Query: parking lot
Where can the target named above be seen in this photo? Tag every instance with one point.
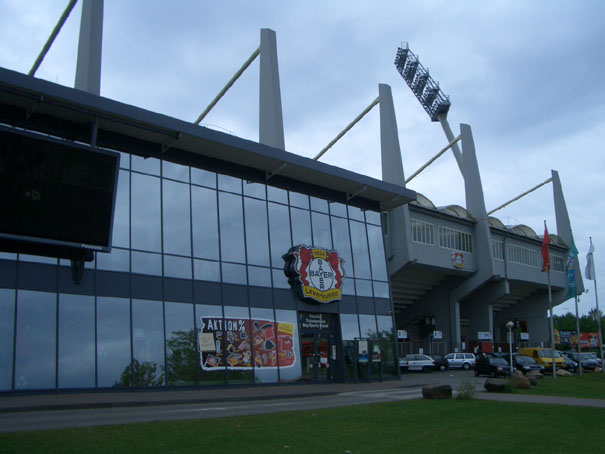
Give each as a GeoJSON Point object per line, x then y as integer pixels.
{"type": "Point", "coordinates": [452, 377]}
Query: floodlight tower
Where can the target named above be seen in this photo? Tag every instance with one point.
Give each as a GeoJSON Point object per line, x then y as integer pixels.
{"type": "Point", "coordinates": [427, 91]}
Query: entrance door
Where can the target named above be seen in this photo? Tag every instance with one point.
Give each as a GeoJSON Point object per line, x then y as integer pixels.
{"type": "Point", "coordinates": [316, 358]}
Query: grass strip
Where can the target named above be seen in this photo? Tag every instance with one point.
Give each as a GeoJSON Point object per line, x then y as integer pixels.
{"type": "Point", "coordinates": [450, 426]}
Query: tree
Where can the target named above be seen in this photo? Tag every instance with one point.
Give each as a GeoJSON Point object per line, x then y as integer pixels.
{"type": "Point", "coordinates": [144, 375]}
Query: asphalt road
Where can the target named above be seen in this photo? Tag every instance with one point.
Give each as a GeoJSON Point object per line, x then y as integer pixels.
{"type": "Point", "coordinates": [58, 419]}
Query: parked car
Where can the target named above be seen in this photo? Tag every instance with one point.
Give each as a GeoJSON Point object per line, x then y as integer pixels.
{"type": "Point", "coordinates": [570, 364]}
{"type": "Point", "coordinates": [492, 366]}
{"type": "Point", "coordinates": [596, 358]}
{"type": "Point", "coordinates": [422, 363]}
{"type": "Point", "coordinates": [460, 360]}
{"type": "Point", "coordinates": [543, 356]}
{"type": "Point", "coordinates": [440, 362]}
{"type": "Point", "coordinates": [588, 363]}
{"type": "Point", "coordinates": [525, 364]}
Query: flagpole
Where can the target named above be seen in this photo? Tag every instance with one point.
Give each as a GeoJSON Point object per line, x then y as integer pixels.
{"type": "Point", "coordinates": [579, 337]}
{"type": "Point", "coordinates": [552, 327]}
{"type": "Point", "coordinates": [596, 296]}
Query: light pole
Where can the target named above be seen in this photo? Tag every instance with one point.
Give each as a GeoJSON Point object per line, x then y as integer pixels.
{"type": "Point", "coordinates": [510, 325]}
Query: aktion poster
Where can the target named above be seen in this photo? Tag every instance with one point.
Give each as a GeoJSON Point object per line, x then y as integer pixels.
{"type": "Point", "coordinates": [238, 343]}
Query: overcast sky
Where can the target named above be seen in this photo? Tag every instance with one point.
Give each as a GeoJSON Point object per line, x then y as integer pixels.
{"type": "Point", "coordinates": [526, 75]}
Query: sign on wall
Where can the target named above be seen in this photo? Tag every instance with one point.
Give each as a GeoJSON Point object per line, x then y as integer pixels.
{"type": "Point", "coordinates": [484, 335]}
{"type": "Point", "coordinates": [315, 273]}
{"type": "Point", "coordinates": [238, 343]}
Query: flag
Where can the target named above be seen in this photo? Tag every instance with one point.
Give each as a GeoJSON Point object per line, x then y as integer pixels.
{"type": "Point", "coordinates": [590, 271]}
{"type": "Point", "coordinates": [570, 271]}
{"type": "Point", "coordinates": [545, 256]}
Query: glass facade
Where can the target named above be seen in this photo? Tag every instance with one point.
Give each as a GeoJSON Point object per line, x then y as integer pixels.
{"type": "Point", "coordinates": [188, 245]}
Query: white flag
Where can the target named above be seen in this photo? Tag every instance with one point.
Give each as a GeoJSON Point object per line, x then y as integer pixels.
{"type": "Point", "coordinates": [589, 272]}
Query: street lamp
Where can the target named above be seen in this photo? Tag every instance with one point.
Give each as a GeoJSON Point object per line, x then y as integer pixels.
{"type": "Point", "coordinates": [510, 325]}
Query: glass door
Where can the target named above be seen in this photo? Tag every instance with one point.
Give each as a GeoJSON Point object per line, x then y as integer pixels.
{"type": "Point", "coordinates": [316, 357]}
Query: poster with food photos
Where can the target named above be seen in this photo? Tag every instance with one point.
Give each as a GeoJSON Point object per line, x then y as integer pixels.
{"type": "Point", "coordinates": [241, 344]}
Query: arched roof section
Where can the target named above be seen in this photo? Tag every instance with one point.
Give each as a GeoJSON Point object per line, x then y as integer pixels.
{"type": "Point", "coordinates": [495, 222]}
{"type": "Point", "coordinates": [524, 230]}
{"type": "Point", "coordinates": [556, 239]}
{"type": "Point", "coordinates": [423, 201]}
{"type": "Point", "coordinates": [457, 210]}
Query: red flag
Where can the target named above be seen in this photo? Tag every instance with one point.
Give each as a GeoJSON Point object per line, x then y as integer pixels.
{"type": "Point", "coordinates": [545, 256]}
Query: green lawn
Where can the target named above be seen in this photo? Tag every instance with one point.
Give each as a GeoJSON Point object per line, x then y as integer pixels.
{"type": "Point", "coordinates": [413, 426]}
{"type": "Point", "coordinates": [590, 385]}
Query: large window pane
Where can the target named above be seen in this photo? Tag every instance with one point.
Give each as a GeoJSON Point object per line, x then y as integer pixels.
{"type": "Point", "coordinates": [7, 317]}
{"type": "Point", "coordinates": [349, 326]}
{"type": "Point", "coordinates": [203, 177]}
{"type": "Point", "coordinates": [232, 227]}
{"type": "Point", "coordinates": [360, 250]}
{"type": "Point", "coordinates": [279, 228]}
{"type": "Point", "coordinates": [342, 243]}
{"type": "Point", "coordinates": [146, 165]}
{"type": "Point", "coordinates": [356, 213]}
{"type": "Point", "coordinates": [322, 236]}
{"type": "Point", "coordinates": [205, 223]}
{"type": "Point", "coordinates": [367, 323]}
{"type": "Point", "coordinates": [230, 184]}
{"type": "Point", "coordinates": [320, 205]}
{"type": "Point", "coordinates": [116, 260]}
{"type": "Point", "coordinates": [179, 267]}
{"type": "Point", "coordinates": [177, 218]}
{"type": "Point", "coordinates": [234, 274]}
{"type": "Point", "coordinates": [288, 346]}
{"type": "Point", "coordinates": [205, 270]}
{"type": "Point", "coordinates": [264, 352]}
{"type": "Point", "coordinates": [257, 232]}
{"type": "Point", "coordinates": [301, 227]}
{"type": "Point", "coordinates": [121, 217]}
{"type": "Point", "coordinates": [299, 200]}
{"type": "Point", "coordinates": [277, 195]}
{"type": "Point", "coordinates": [214, 372]}
{"type": "Point", "coordinates": [148, 343]}
{"type": "Point", "coordinates": [378, 260]}
{"type": "Point", "coordinates": [258, 276]}
{"type": "Point", "coordinates": [180, 345]}
{"type": "Point", "coordinates": [240, 371]}
{"type": "Point", "coordinates": [113, 343]}
{"type": "Point", "coordinates": [338, 209]}
{"type": "Point", "coordinates": [146, 213]}
{"type": "Point", "coordinates": [175, 171]}
{"type": "Point", "coordinates": [76, 341]}
{"type": "Point", "coordinates": [147, 263]}
{"type": "Point", "coordinates": [36, 340]}
{"type": "Point", "coordinates": [254, 190]}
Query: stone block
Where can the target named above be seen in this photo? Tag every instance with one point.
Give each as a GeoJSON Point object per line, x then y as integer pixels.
{"type": "Point", "coordinates": [495, 385]}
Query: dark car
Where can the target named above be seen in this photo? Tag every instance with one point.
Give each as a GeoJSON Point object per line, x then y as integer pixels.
{"type": "Point", "coordinates": [526, 364]}
{"type": "Point", "coordinates": [440, 362]}
{"type": "Point", "coordinates": [492, 366]}
{"type": "Point", "coordinates": [588, 363]}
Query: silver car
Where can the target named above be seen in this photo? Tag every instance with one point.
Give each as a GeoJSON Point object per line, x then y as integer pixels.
{"type": "Point", "coordinates": [460, 360]}
{"type": "Point", "coordinates": [416, 362]}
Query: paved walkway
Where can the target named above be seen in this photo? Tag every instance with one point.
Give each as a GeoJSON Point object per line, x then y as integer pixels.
{"type": "Point", "coordinates": [105, 399]}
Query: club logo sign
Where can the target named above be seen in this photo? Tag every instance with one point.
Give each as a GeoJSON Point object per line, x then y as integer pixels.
{"type": "Point", "coordinates": [315, 273]}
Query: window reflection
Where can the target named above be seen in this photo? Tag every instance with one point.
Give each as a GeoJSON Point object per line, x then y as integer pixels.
{"type": "Point", "coordinates": [234, 274]}
{"type": "Point", "coordinates": [360, 250]}
{"type": "Point", "coordinates": [299, 200]}
{"type": "Point", "coordinates": [381, 289]}
{"type": "Point", "coordinates": [279, 278]}
{"type": "Point", "coordinates": [179, 267]}
{"type": "Point", "coordinates": [342, 243]}
{"type": "Point", "coordinates": [257, 232]}
{"type": "Point", "coordinates": [279, 228]}
{"type": "Point", "coordinates": [230, 184]}
{"type": "Point", "coordinates": [205, 223]}
{"type": "Point", "coordinates": [320, 205]}
{"type": "Point", "coordinates": [76, 341]}
{"type": "Point", "coordinates": [146, 234]}
{"type": "Point", "coordinates": [203, 177]}
{"type": "Point", "coordinates": [254, 190]}
{"type": "Point", "coordinates": [301, 227]}
{"type": "Point", "coordinates": [260, 277]}
{"type": "Point", "coordinates": [232, 227]}
{"type": "Point", "coordinates": [146, 263]}
{"type": "Point", "coordinates": [338, 209]}
{"type": "Point", "coordinates": [180, 345]}
{"type": "Point", "coordinates": [377, 257]}
{"type": "Point", "coordinates": [175, 171]}
{"type": "Point", "coordinates": [146, 165]}
{"type": "Point", "coordinates": [177, 218]}
{"type": "Point", "coordinates": [208, 377]}
{"type": "Point", "coordinates": [7, 317]}
{"type": "Point", "coordinates": [349, 326]}
{"type": "Point", "coordinates": [116, 260]}
{"type": "Point", "coordinates": [363, 287]}
{"type": "Point", "coordinates": [277, 195]}
{"type": "Point", "coordinates": [113, 342]}
{"type": "Point", "coordinates": [367, 324]}
{"type": "Point", "coordinates": [36, 340]}
{"type": "Point", "coordinates": [356, 213]}
{"type": "Point", "coordinates": [373, 217]}
{"type": "Point", "coordinates": [321, 230]}
{"type": "Point", "coordinates": [121, 217]}
{"type": "Point", "coordinates": [148, 345]}
{"type": "Point", "coordinates": [205, 270]}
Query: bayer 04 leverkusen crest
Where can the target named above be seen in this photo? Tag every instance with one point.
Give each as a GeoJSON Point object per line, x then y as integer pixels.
{"type": "Point", "coordinates": [315, 273]}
